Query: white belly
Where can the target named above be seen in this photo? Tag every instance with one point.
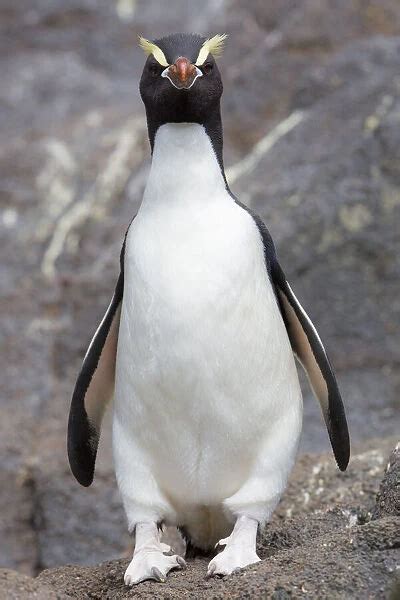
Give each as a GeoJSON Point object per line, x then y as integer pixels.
{"type": "Point", "coordinates": [204, 368]}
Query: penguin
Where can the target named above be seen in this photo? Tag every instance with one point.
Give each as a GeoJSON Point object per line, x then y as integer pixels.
{"type": "Point", "coordinates": [198, 343]}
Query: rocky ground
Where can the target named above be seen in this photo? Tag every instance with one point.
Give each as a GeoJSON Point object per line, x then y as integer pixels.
{"type": "Point", "coordinates": [312, 137]}
{"type": "Point", "coordinates": [331, 537]}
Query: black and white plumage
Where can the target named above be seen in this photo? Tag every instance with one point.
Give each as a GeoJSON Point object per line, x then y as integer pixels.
{"type": "Point", "coordinates": [198, 341]}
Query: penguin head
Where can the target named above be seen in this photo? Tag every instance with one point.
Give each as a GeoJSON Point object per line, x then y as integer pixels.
{"type": "Point", "coordinates": [180, 80]}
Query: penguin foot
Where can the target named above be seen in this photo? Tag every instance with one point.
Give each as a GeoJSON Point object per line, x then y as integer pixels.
{"type": "Point", "coordinates": [240, 549]}
{"type": "Point", "coordinates": [151, 564]}
{"type": "Point", "coordinates": [233, 558]}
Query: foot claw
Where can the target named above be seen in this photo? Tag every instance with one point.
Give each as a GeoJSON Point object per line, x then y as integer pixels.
{"type": "Point", "coordinates": [211, 571]}
{"type": "Point", "coordinates": [222, 542]}
{"type": "Point", "coordinates": [181, 562]}
{"type": "Point", "coordinates": [157, 575]}
{"type": "Point", "coordinates": [151, 564]}
{"type": "Point", "coordinates": [230, 560]}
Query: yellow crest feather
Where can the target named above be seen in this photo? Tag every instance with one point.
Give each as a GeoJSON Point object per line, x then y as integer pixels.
{"type": "Point", "coordinates": [214, 46]}
{"type": "Point", "coordinates": [151, 48]}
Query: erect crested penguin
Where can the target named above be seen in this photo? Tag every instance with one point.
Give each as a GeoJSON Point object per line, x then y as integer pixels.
{"type": "Point", "coordinates": [197, 343]}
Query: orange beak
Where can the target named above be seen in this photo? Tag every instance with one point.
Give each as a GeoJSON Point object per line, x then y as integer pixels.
{"type": "Point", "coordinates": [182, 74]}
{"type": "Point", "coordinates": [183, 68]}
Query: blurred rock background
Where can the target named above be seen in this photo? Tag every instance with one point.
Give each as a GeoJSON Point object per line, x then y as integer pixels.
{"type": "Point", "coordinates": [312, 142]}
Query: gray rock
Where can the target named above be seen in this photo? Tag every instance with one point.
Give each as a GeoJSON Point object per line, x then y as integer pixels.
{"type": "Point", "coordinates": [388, 498]}
{"type": "Point", "coordinates": [328, 548]}
{"type": "Point", "coordinates": [15, 586]}
{"type": "Point", "coordinates": [335, 565]}
{"type": "Point", "coordinates": [331, 205]}
{"type": "Point", "coordinates": [18, 548]}
{"type": "Point", "coordinates": [329, 190]}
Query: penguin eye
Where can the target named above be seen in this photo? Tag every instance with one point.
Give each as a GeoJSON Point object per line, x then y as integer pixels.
{"type": "Point", "coordinates": [154, 69]}
{"type": "Point", "coordinates": [207, 68]}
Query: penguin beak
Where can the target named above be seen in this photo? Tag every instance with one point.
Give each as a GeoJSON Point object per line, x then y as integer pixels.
{"type": "Point", "coordinates": [182, 74]}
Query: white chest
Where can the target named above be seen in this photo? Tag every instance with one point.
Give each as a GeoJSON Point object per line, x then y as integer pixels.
{"type": "Point", "coordinates": [196, 285]}
{"type": "Point", "coordinates": [190, 243]}
{"type": "Point", "coordinates": [201, 336]}
{"type": "Point", "coordinates": [190, 257]}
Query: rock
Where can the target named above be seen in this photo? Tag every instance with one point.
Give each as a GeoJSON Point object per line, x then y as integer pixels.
{"type": "Point", "coordinates": [342, 564]}
{"type": "Point", "coordinates": [388, 499]}
{"type": "Point", "coordinates": [15, 586]}
{"type": "Point", "coordinates": [322, 542]}
{"type": "Point", "coordinates": [79, 527]}
{"type": "Point", "coordinates": [18, 548]}
{"type": "Point", "coordinates": [330, 202]}
{"type": "Point", "coordinates": [328, 548]}
{"type": "Point", "coordinates": [328, 189]}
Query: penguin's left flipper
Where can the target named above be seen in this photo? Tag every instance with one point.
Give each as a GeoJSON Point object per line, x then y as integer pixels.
{"type": "Point", "coordinates": [94, 389]}
{"type": "Point", "coordinates": [310, 352]}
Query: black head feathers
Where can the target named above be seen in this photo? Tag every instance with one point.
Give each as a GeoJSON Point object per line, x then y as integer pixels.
{"type": "Point", "coordinates": [181, 82]}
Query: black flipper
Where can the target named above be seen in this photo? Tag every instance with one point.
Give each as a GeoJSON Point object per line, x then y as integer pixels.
{"type": "Point", "coordinates": [94, 389]}
{"type": "Point", "coordinates": [309, 350]}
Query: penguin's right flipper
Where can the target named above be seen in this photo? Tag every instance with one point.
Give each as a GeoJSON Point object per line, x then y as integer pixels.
{"type": "Point", "coordinates": [94, 389]}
